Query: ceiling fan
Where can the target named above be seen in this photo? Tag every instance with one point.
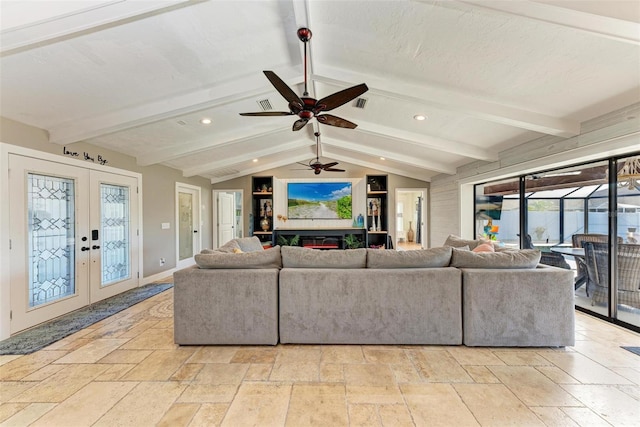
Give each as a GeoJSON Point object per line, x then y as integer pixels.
{"type": "Point", "coordinates": [318, 167]}
{"type": "Point", "coordinates": [306, 107]}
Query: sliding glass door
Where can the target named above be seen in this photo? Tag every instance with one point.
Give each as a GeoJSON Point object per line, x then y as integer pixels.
{"type": "Point", "coordinates": [585, 218]}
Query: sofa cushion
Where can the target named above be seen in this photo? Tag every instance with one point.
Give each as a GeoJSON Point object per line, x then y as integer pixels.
{"type": "Point", "coordinates": [525, 258]}
{"type": "Point", "coordinates": [249, 244]}
{"type": "Point", "coordinates": [297, 257]}
{"type": "Point", "coordinates": [269, 258]}
{"type": "Point", "coordinates": [423, 258]}
{"type": "Point", "coordinates": [457, 242]}
{"type": "Point", "coordinates": [484, 247]}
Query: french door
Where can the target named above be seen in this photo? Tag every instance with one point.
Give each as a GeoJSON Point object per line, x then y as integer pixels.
{"type": "Point", "coordinates": [73, 238]}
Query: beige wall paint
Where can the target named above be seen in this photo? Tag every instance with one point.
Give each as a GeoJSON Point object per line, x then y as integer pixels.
{"type": "Point", "coordinates": [291, 172]}
{"type": "Point", "coordinates": [158, 191]}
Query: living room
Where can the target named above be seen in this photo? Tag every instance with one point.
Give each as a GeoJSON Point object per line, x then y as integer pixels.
{"type": "Point", "coordinates": [549, 115]}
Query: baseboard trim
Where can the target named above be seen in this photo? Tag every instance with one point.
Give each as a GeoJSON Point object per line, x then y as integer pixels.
{"type": "Point", "coordinates": [156, 277]}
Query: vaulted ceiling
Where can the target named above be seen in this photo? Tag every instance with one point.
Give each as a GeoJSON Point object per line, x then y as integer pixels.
{"type": "Point", "coordinates": [138, 76]}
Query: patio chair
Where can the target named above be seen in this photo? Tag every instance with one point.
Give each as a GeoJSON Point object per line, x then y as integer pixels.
{"type": "Point", "coordinates": [628, 272]}
{"type": "Point", "coordinates": [577, 241]}
{"type": "Point", "coordinates": [547, 258]}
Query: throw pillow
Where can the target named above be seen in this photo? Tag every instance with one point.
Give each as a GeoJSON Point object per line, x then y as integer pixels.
{"type": "Point", "coordinates": [269, 258]}
{"type": "Point", "coordinates": [229, 247]}
{"type": "Point", "coordinates": [297, 257]}
{"type": "Point", "coordinates": [484, 247]}
{"type": "Point", "coordinates": [249, 244]}
{"type": "Point", "coordinates": [525, 258]}
{"type": "Point", "coordinates": [423, 258]}
{"type": "Point", "coordinates": [456, 242]}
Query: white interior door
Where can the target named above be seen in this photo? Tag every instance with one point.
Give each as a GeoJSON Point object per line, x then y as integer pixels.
{"type": "Point", "coordinates": [49, 240]}
{"type": "Point", "coordinates": [188, 220]}
{"type": "Point", "coordinates": [226, 217]}
{"type": "Point", "coordinates": [74, 238]}
{"type": "Point", "coordinates": [114, 234]}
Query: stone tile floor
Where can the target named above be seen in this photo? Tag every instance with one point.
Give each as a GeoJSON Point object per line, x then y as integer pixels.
{"type": "Point", "coordinates": [126, 371]}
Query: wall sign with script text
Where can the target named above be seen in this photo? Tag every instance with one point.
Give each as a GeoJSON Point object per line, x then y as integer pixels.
{"type": "Point", "coordinates": [86, 156]}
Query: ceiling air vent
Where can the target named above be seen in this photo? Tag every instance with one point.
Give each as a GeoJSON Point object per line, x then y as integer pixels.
{"type": "Point", "coordinates": [360, 102]}
{"type": "Point", "coordinates": [265, 104]}
{"type": "Point", "coordinates": [224, 172]}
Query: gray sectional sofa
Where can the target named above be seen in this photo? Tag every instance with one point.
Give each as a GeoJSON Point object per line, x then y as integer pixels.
{"type": "Point", "coordinates": [439, 296]}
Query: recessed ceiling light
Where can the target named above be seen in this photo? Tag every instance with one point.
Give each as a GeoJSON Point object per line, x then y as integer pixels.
{"type": "Point", "coordinates": [382, 158]}
{"type": "Point", "coordinates": [205, 121]}
{"type": "Point", "coordinates": [420, 117]}
{"type": "Point", "coordinates": [255, 160]}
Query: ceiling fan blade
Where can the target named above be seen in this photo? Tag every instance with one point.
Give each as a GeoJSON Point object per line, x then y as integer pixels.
{"type": "Point", "coordinates": [268, 113]}
{"type": "Point", "coordinates": [299, 124]}
{"type": "Point", "coordinates": [282, 87]}
{"type": "Point", "coordinates": [329, 165]}
{"type": "Point", "coordinates": [304, 164]}
{"type": "Point", "coordinates": [335, 170]}
{"type": "Point", "coordinates": [339, 98]}
{"type": "Point", "coordinates": [331, 120]}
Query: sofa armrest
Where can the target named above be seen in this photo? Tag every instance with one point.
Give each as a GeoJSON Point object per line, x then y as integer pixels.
{"type": "Point", "coordinates": [519, 307]}
{"type": "Point", "coordinates": [226, 306]}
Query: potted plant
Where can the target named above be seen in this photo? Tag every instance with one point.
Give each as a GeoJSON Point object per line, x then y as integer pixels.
{"type": "Point", "coordinates": [351, 241]}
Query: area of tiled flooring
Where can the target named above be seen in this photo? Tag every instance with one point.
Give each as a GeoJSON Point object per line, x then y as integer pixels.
{"type": "Point", "coordinates": [126, 370]}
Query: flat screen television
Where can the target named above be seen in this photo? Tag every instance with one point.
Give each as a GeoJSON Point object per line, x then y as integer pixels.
{"type": "Point", "coordinates": [488, 207]}
{"type": "Point", "coordinates": [319, 200]}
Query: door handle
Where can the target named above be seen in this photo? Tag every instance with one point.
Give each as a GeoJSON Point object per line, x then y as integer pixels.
{"type": "Point", "coordinates": [95, 247]}
{"type": "Point", "coordinates": [195, 231]}
{"type": "Point", "coordinates": [85, 248]}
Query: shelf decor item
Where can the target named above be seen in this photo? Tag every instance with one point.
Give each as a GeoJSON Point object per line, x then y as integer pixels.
{"type": "Point", "coordinates": [265, 224]}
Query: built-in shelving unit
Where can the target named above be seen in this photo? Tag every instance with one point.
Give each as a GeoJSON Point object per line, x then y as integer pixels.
{"type": "Point", "coordinates": [377, 211]}
{"type": "Point", "coordinates": [262, 207]}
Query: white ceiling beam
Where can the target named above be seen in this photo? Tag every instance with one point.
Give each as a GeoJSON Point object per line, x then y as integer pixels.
{"type": "Point", "coordinates": [293, 158]}
{"type": "Point", "coordinates": [427, 142]}
{"type": "Point", "coordinates": [95, 16]}
{"type": "Point", "coordinates": [447, 99]}
{"type": "Point", "coordinates": [390, 155]}
{"type": "Point", "coordinates": [376, 166]}
{"type": "Point", "coordinates": [187, 103]}
{"type": "Point", "coordinates": [230, 162]}
{"type": "Point", "coordinates": [186, 148]}
{"type": "Point", "coordinates": [602, 26]}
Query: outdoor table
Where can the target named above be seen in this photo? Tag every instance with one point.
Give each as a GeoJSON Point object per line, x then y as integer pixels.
{"type": "Point", "coordinates": [576, 253]}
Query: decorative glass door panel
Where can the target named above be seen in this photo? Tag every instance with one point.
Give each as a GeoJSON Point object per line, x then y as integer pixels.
{"type": "Point", "coordinates": [115, 225]}
{"type": "Point", "coordinates": [185, 213]}
{"type": "Point", "coordinates": [51, 237]}
{"type": "Point", "coordinates": [188, 223]}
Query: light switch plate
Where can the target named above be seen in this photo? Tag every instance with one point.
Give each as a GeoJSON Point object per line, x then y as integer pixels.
{"type": "Point", "coordinates": [166, 226]}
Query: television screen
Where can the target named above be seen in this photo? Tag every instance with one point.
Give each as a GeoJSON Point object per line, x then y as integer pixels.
{"type": "Point", "coordinates": [488, 207]}
{"type": "Point", "coordinates": [319, 200]}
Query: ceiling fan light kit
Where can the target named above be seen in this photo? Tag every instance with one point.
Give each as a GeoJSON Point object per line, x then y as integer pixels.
{"type": "Point", "coordinates": [305, 107]}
